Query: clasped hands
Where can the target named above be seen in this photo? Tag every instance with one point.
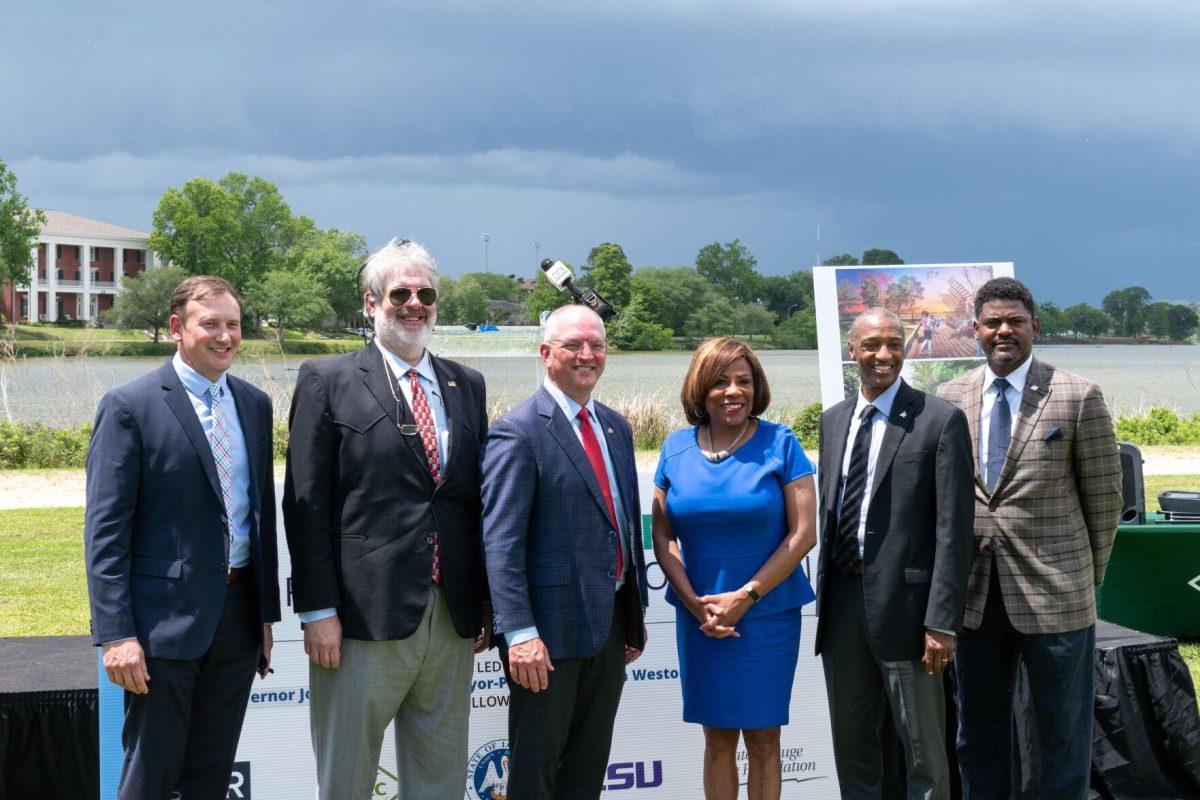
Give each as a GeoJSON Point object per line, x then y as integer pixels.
{"type": "Point", "coordinates": [719, 613]}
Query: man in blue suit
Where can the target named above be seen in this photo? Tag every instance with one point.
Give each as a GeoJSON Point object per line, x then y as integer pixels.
{"type": "Point", "coordinates": [180, 549]}
{"type": "Point", "coordinates": [562, 547]}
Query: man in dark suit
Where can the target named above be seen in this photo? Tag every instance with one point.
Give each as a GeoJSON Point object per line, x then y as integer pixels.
{"type": "Point", "coordinates": [381, 506]}
{"type": "Point", "coordinates": [895, 510]}
{"type": "Point", "coordinates": [1047, 499]}
{"type": "Point", "coordinates": [180, 548]}
{"type": "Point", "coordinates": [562, 543]}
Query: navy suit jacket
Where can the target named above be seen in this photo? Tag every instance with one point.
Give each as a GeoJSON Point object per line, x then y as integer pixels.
{"type": "Point", "coordinates": [549, 544]}
{"type": "Point", "coordinates": [154, 529]}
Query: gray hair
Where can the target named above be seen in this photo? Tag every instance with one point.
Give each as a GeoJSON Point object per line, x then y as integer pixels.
{"type": "Point", "coordinates": [550, 326]}
{"type": "Point", "coordinates": [393, 256]}
{"type": "Point", "coordinates": [878, 312]}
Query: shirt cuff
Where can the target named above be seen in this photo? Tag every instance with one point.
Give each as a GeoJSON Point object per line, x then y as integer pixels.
{"type": "Point", "coordinates": [939, 630]}
{"type": "Point", "coordinates": [315, 616]}
{"type": "Point", "coordinates": [522, 635]}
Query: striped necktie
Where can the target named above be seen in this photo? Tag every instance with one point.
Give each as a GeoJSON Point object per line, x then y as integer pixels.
{"type": "Point", "coordinates": [223, 459]}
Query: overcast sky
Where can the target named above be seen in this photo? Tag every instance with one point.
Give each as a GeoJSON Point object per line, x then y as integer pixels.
{"type": "Point", "coordinates": [1062, 136]}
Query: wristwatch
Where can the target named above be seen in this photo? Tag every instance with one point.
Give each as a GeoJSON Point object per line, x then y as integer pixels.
{"type": "Point", "coordinates": [755, 596]}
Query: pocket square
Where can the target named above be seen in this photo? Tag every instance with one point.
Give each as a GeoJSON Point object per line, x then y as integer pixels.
{"type": "Point", "coordinates": [1055, 433]}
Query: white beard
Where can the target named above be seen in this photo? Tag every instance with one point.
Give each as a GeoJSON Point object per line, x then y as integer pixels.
{"type": "Point", "coordinates": [395, 338]}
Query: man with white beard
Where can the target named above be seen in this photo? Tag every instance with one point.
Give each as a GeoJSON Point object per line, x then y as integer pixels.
{"type": "Point", "coordinates": [382, 511]}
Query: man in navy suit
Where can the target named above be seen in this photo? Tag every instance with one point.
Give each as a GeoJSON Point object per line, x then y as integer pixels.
{"type": "Point", "coordinates": [562, 547]}
{"type": "Point", "coordinates": [180, 549]}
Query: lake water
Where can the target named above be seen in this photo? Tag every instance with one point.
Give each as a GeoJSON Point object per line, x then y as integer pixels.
{"type": "Point", "coordinates": [62, 391]}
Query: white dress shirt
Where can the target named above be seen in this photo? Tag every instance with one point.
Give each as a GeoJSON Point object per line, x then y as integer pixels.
{"type": "Point", "coordinates": [1016, 380]}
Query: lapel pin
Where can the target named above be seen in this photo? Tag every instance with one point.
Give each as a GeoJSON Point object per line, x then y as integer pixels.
{"type": "Point", "coordinates": [608, 430]}
{"type": "Point", "coordinates": [1034, 388]}
{"type": "Point", "coordinates": [903, 414]}
{"type": "Point", "coordinates": [452, 384]}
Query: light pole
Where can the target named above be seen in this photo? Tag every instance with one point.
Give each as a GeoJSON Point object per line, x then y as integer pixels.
{"type": "Point", "coordinates": [537, 252]}
{"type": "Point", "coordinates": [486, 238]}
{"type": "Point", "coordinates": [792, 308]}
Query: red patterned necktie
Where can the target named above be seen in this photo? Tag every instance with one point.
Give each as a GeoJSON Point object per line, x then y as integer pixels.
{"type": "Point", "coordinates": [424, 419]}
{"type": "Point", "coordinates": [591, 446]}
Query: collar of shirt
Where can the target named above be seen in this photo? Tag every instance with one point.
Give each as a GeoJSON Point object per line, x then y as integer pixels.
{"type": "Point", "coordinates": [194, 382]}
{"type": "Point", "coordinates": [400, 367]}
{"type": "Point", "coordinates": [568, 406]}
{"type": "Point", "coordinates": [1016, 378]}
{"type": "Point", "coordinates": [883, 403]}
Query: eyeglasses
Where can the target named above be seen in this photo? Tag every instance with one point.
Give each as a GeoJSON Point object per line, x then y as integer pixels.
{"type": "Point", "coordinates": [575, 346]}
{"type": "Point", "coordinates": [402, 294]}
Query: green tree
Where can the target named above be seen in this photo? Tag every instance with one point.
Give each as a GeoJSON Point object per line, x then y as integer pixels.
{"type": "Point", "coordinates": [877, 257]}
{"type": "Point", "coordinates": [461, 301]}
{"type": "Point", "coordinates": [1052, 320]}
{"type": "Point", "coordinates": [840, 260]}
{"type": "Point", "coordinates": [730, 267]}
{"type": "Point", "coordinates": [787, 294]}
{"type": "Point", "coordinates": [333, 258]}
{"type": "Point", "coordinates": [496, 286]}
{"type": "Point", "coordinates": [715, 316]}
{"type": "Point", "coordinates": [288, 300]}
{"type": "Point", "coordinates": [608, 272]}
{"type": "Point", "coordinates": [1087, 321]}
{"type": "Point", "coordinates": [545, 297]}
{"type": "Point", "coordinates": [904, 293]}
{"type": "Point", "coordinates": [1183, 322]}
{"type": "Point", "coordinates": [19, 229]}
{"type": "Point", "coordinates": [239, 228]}
{"type": "Point", "coordinates": [633, 330]}
{"type": "Point", "coordinates": [1127, 308]}
{"type": "Point", "coordinates": [799, 332]}
{"type": "Point", "coordinates": [870, 292]}
{"type": "Point", "coordinates": [145, 301]}
{"type": "Point", "coordinates": [670, 294]}
{"type": "Point", "coordinates": [1170, 320]}
{"type": "Point", "coordinates": [754, 318]}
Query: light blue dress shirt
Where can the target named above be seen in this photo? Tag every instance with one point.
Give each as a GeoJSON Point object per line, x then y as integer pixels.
{"type": "Point", "coordinates": [883, 411]}
{"type": "Point", "coordinates": [433, 394]}
{"type": "Point", "coordinates": [571, 409]}
{"type": "Point", "coordinates": [239, 492]}
{"type": "Point", "coordinates": [1016, 388]}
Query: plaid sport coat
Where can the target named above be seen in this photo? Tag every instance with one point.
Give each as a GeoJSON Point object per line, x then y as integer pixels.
{"type": "Point", "coordinates": [1052, 518]}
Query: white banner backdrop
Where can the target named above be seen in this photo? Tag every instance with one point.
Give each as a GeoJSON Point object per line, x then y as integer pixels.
{"type": "Point", "coordinates": [654, 753]}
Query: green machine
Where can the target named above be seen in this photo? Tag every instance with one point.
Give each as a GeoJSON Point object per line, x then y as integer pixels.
{"type": "Point", "coordinates": [1153, 578]}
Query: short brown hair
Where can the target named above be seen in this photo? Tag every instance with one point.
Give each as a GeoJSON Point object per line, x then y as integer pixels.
{"type": "Point", "coordinates": [199, 287]}
{"type": "Point", "coordinates": [711, 359]}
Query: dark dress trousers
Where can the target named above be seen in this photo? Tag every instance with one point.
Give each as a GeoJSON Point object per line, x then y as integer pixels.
{"type": "Point", "coordinates": [361, 509]}
{"type": "Point", "coordinates": [915, 559]}
{"type": "Point", "coordinates": [156, 564]}
{"type": "Point", "coordinates": [550, 548]}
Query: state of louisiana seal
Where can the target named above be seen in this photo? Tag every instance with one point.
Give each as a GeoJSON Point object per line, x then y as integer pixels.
{"type": "Point", "coordinates": [487, 772]}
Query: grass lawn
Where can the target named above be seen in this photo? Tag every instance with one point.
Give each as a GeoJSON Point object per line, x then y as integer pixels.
{"type": "Point", "coordinates": [43, 591]}
{"type": "Point", "coordinates": [54, 333]}
{"type": "Point", "coordinates": [42, 587]}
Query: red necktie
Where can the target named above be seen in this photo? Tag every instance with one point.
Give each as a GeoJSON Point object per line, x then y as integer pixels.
{"type": "Point", "coordinates": [424, 419]}
{"type": "Point", "coordinates": [591, 446]}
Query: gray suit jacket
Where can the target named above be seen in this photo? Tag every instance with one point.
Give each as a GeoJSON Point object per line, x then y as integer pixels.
{"type": "Point", "coordinates": [919, 522]}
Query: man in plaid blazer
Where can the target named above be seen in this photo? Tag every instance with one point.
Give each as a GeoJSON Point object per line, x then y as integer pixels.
{"type": "Point", "coordinates": [1047, 499]}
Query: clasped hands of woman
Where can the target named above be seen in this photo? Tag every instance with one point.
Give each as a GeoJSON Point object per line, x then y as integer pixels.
{"type": "Point", "coordinates": [719, 614]}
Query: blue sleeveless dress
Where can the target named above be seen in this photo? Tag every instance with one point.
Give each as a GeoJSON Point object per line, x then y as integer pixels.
{"type": "Point", "coordinates": [728, 518]}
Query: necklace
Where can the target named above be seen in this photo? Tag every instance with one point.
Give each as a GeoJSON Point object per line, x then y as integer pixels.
{"type": "Point", "coordinates": [721, 455]}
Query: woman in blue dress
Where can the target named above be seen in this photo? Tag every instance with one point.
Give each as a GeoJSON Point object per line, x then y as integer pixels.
{"type": "Point", "coordinates": [733, 515]}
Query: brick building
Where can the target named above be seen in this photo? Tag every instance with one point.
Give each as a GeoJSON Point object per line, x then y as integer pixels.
{"type": "Point", "coordinates": [80, 266]}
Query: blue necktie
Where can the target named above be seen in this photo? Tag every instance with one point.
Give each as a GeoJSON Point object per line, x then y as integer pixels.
{"type": "Point", "coordinates": [223, 459]}
{"type": "Point", "coordinates": [999, 433]}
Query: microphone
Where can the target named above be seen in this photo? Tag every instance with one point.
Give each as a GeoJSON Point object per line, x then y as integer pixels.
{"type": "Point", "coordinates": [559, 274]}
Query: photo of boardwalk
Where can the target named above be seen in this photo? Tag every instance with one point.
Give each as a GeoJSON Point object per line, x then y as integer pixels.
{"type": "Point", "coordinates": [934, 303]}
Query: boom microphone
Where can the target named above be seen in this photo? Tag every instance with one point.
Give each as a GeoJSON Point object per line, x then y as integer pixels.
{"type": "Point", "coordinates": [559, 274]}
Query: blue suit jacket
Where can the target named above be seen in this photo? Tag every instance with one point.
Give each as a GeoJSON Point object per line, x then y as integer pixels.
{"type": "Point", "coordinates": [549, 545]}
{"type": "Point", "coordinates": [154, 529]}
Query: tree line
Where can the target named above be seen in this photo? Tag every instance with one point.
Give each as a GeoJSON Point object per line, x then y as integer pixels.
{"type": "Point", "coordinates": [293, 274]}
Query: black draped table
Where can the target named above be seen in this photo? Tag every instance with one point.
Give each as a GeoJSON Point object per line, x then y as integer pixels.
{"type": "Point", "coordinates": [1145, 746]}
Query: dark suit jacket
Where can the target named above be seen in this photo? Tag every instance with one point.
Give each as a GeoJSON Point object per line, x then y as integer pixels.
{"type": "Point", "coordinates": [549, 544]}
{"type": "Point", "coordinates": [919, 522]}
{"type": "Point", "coordinates": [360, 507]}
{"type": "Point", "coordinates": [154, 529]}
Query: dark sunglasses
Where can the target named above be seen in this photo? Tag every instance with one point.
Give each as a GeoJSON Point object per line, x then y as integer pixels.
{"type": "Point", "coordinates": [402, 294]}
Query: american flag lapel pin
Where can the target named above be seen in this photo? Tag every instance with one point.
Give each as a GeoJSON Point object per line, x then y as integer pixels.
{"type": "Point", "coordinates": [452, 384]}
